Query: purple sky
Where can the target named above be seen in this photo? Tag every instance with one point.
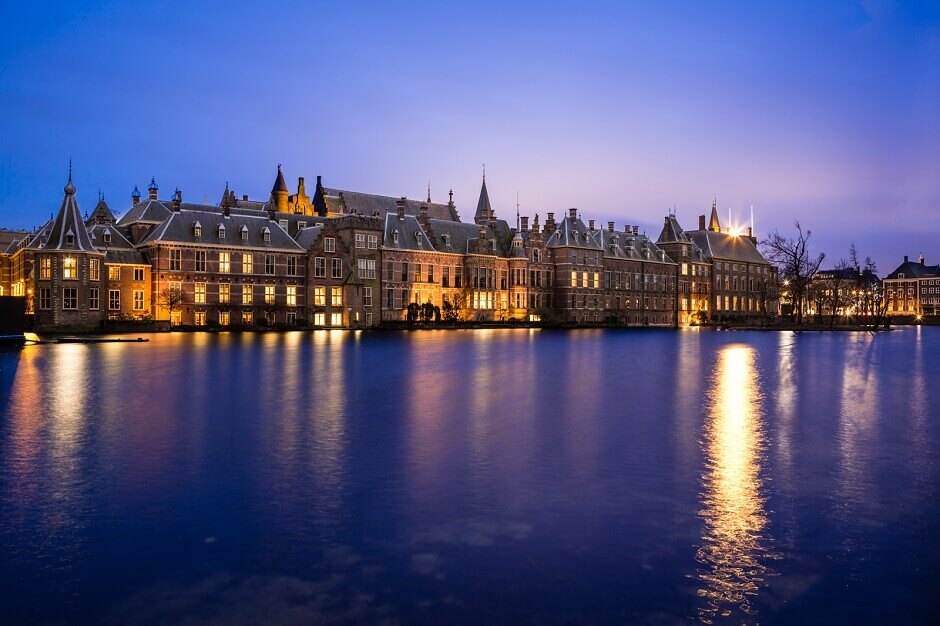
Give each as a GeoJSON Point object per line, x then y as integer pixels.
{"type": "Point", "coordinates": [822, 111]}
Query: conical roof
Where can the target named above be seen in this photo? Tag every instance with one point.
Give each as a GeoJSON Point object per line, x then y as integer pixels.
{"type": "Point", "coordinates": [279, 183]}
{"type": "Point", "coordinates": [484, 210]}
{"type": "Point", "coordinates": [68, 230]}
{"type": "Point", "coordinates": [713, 223]}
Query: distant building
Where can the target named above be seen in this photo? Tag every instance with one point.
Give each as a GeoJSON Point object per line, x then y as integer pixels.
{"type": "Point", "coordinates": [846, 291]}
{"type": "Point", "coordinates": [913, 289]}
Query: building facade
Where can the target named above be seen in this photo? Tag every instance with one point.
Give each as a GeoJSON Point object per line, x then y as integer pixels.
{"type": "Point", "coordinates": [346, 259]}
{"type": "Point", "coordinates": [913, 289]}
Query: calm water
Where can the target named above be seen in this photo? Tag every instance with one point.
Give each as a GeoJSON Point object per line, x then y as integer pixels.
{"type": "Point", "coordinates": [499, 477]}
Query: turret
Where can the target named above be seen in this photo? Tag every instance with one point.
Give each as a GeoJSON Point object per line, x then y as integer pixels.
{"type": "Point", "coordinates": [279, 193]}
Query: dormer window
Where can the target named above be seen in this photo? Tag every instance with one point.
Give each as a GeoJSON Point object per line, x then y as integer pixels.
{"type": "Point", "coordinates": [244, 233]}
{"type": "Point", "coordinates": [266, 234]}
{"type": "Point", "coordinates": [283, 224]}
{"type": "Point", "coordinates": [419, 239]}
{"type": "Point", "coordinates": [106, 236]}
{"type": "Point", "coordinates": [395, 236]}
{"type": "Point", "coordinates": [70, 239]}
{"type": "Point", "coordinates": [221, 231]}
{"type": "Point", "coordinates": [197, 229]}
{"type": "Point", "coordinates": [517, 243]}
{"type": "Point", "coordinates": [301, 225]}
{"type": "Point", "coordinates": [446, 239]}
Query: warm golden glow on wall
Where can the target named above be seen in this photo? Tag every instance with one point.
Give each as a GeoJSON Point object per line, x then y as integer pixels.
{"type": "Point", "coordinates": [733, 549]}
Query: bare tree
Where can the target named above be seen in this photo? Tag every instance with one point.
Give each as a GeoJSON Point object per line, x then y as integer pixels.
{"type": "Point", "coordinates": [768, 290]}
{"type": "Point", "coordinates": [172, 300]}
{"type": "Point", "coordinates": [796, 264]}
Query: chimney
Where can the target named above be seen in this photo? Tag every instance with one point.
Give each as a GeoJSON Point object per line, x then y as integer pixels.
{"type": "Point", "coordinates": [525, 223]}
{"type": "Point", "coordinates": [626, 228]}
{"type": "Point", "coordinates": [272, 212]}
{"type": "Point", "coordinates": [535, 223]}
{"type": "Point", "coordinates": [921, 259]}
{"type": "Point", "coordinates": [135, 196]}
{"type": "Point", "coordinates": [152, 189]}
{"type": "Point", "coordinates": [423, 217]}
{"type": "Point", "coordinates": [245, 197]}
{"type": "Point", "coordinates": [573, 214]}
{"type": "Point", "coordinates": [177, 199]}
{"type": "Point", "coordinates": [636, 229]}
{"type": "Point", "coordinates": [550, 224]}
{"type": "Point", "coordinates": [701, 222]}
{"type": "Point", "coordinates": [400, 207]}
{"type": "Point", "coordinates": [610, 226]}
{"type": "Point", "coordinates": [590, 224]}
{"type": "Point", "coordinates": [905, 258]}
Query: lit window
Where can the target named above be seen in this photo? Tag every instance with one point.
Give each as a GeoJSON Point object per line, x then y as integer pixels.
{"type": "Point", "coordinates": [319, 296]}
{"type": "Point", "coordinates": [319, 319]}
{"type": "Point", "coordinates": [197, 229]}
{"type": "Point", "coordinates": [199, 296]}
{"type": "Point", "coordinates": [200, 318]}
{"type": "Point", "coordinates": [248, 263]}
{"type": "Point", "coordinates": [291, 295]}
{"type": "Point", "coordinates": [94, 269]}
{"type": "Point", "coordinates": [269, 294]}
{"type": "Point", "coordinates": [247, 318]}
{"type": "Point", "coordinates": [336, 319]}
{"type": "Point", "coordinates": [138, 300]}
{"type": "Point", "coordinates": [246, 294]}
{"type": "Point", "coordinates": [224, 318]}
{"type": "Point", "coordinates": [224, 262]}
{"type": "Point", "coordinates": [45, 268]}
{"type": "Point", "coordinates": [336, 296]}
{"type": "Point", "coordinates": [69, 267]}
{"type": "Point", "coordinates": [224, 293]}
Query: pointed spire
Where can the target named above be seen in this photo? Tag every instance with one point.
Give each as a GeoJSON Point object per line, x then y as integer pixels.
{"type": "Point", "coordinates": [279, 183]}
{"type": "Point", "coordinates": [484, 210]}
{"type": "Point", "coordinates": [713, 223]}
{"type": "Point", "coordinates": [517, 210]}
{"type": "Point", "coordinates": [429, 192]}
{"type": "Point", "coordinates": [69, 187]}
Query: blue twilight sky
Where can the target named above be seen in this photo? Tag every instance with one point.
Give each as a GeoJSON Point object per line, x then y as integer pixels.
{"type": "Point", "coordinates": [822, 111]}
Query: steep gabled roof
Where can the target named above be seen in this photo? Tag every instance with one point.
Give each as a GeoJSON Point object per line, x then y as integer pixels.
{"type": "Point", "coordinates": [345, 201]}
{"type": "Point", "coordinates": [410, 234]}
{"type": "Point", "coordinates": [575, 233]}
{"type": "Point", "coordinates": [68, 230]}
{"type": "Point", "coordinates": [101, 215]}
{"type": "Point", "coordinates": [484, 209]}
{"type": "Point", "coordinates": [911, 269]}
{"type": "Point", "coordinates": [118, 249]}
{"type": "Point", "coordinates": [147, 212]}
{"type": "Point", "coordinates": [725, 246]}
{"type": "Point", "coordinates": [180, 227]}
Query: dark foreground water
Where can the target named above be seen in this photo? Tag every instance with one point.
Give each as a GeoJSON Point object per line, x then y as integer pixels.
{"type": "Point", "coordinates": [498, 477]}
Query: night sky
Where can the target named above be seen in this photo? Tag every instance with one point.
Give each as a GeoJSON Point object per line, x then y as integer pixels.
{"type": "Point", "coordinates": [822, 111]}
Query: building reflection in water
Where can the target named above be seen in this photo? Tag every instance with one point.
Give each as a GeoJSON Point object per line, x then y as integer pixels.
{"type": "Point", "coordinates": [734, 549]}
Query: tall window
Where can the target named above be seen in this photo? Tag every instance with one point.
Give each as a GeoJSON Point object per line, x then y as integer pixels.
{"type": "Point", "coordinates": [445, 276]}
{"type": "Point", "coordinates": [319, 296]}
{"type": "Point", "coordinates": [45, 298]}
{"type": "Point", "coordinates": [224, 293]}
{"type": "Point", "coordinates": [93, 302]}
{"type": "Point", "coordinates": [114, 272]}
{"type": "Point", "coordinates": [417, 277]}
{"type": "Point", "coordinates": [329, 244]}
{"type": "Point", "coordinates": [114, 299]}
{"type": "Point", "coordinates": [69, 267]}
{"type": "Point", "coordinates": [291, 266]}
{"type": "Point", "coordinates": [225, 262]}
{"type": "Point", "coordinates": [138, 300]}
{"type": "Point", "coordinates": [360, 240]}
{"type": "Point", "coordinates": [336, 319]}
{"type": "Point", "coordinates": [176, 260]}
{"type": "Point", "coordinates": [373, 242]}
{"type": "Point", "coordinates": [336, 296]}
{"type": "Point", "coordinates": [138, 274]}
{"type": "Point", "coordinates": [200, 260]}
{"type": "Point", "coordinates": [70, 298]}
{"type": "Point", "coordinates": [45, 268]}
{"type": "Point", "coordinates": [337, 267]}
{"type": "Point", "coordinates": [404, 271]}
{"type": "Point", "coordinates": [430, 273]}
{"type": "Point", "coordinates": [246, 294]}
{"type": "Point", "coordinates": [319, 267]}
{"type": "Point", "coordinates": [367, 296]}
{"type": "Point", "coordinates": [199, 296]}
{"type": "Point", "coordinates": [269, 294]}
{"type": "Point", "coordinates": [94, 269]}
{"type": "Point", "coordinates": [269, 264]}
{"type": "Point", "coordinates": [291, 295]}
{"type": "Point", "coordinates": [248, 263]}
{"type": "Point", "coordinates": [366, 268]}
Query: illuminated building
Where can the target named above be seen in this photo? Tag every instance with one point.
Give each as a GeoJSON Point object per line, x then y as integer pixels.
{"type": "Point", "coordinates": [913, 289]}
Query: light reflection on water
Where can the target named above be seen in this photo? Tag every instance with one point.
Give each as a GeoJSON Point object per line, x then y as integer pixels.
{"type": "Point", "coordinates": [734, 551]}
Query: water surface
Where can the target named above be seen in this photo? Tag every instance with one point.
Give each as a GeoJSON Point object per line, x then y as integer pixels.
{"type": "Point", "coordinates": [465, 477]}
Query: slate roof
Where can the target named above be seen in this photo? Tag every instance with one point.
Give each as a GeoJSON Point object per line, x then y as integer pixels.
{"type": "Point", "coordinates": [410, 234]}
{"type": "Point", "coordinates": [457, 237]}
{"type": "Point", "coordinates": [344, 201]}
{"type": "Point", "coordinates": [911, 269]}
{"type": "Point", "coordinates": [672, 233]}
{"type": "Point", "coordinates": [725, 246]}
{"type": "Point", "coordinates": [101, 214]}
{"type": "Point", "coordinates": [179, 227]}
{"type": "Point", "coordinates": [119, 249]}
{"type": "Point", "coordinates": [40, 237]}
{"type": "Point", "coordinates": [846, 273]}
{"type": "Point", "coordinates": [279, 183]}
{"type": "Point", "coordinates": [308, 236]}
{"type": "Point", "coordinates": [573, 232]}
{"type": "Point", "coordinates": [146, 211]}
{"type": "Point", "coordinates": [69, 224]}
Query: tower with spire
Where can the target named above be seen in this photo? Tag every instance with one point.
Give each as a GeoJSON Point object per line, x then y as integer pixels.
{"type": "Point", "coordinates": [68, 272]}
{"type": "Point", "coordinates": [484, 211]}
{"type": "Point", "coordinates": [713, 224]}
{"type": "Point", "coordinates": [279, 193]}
